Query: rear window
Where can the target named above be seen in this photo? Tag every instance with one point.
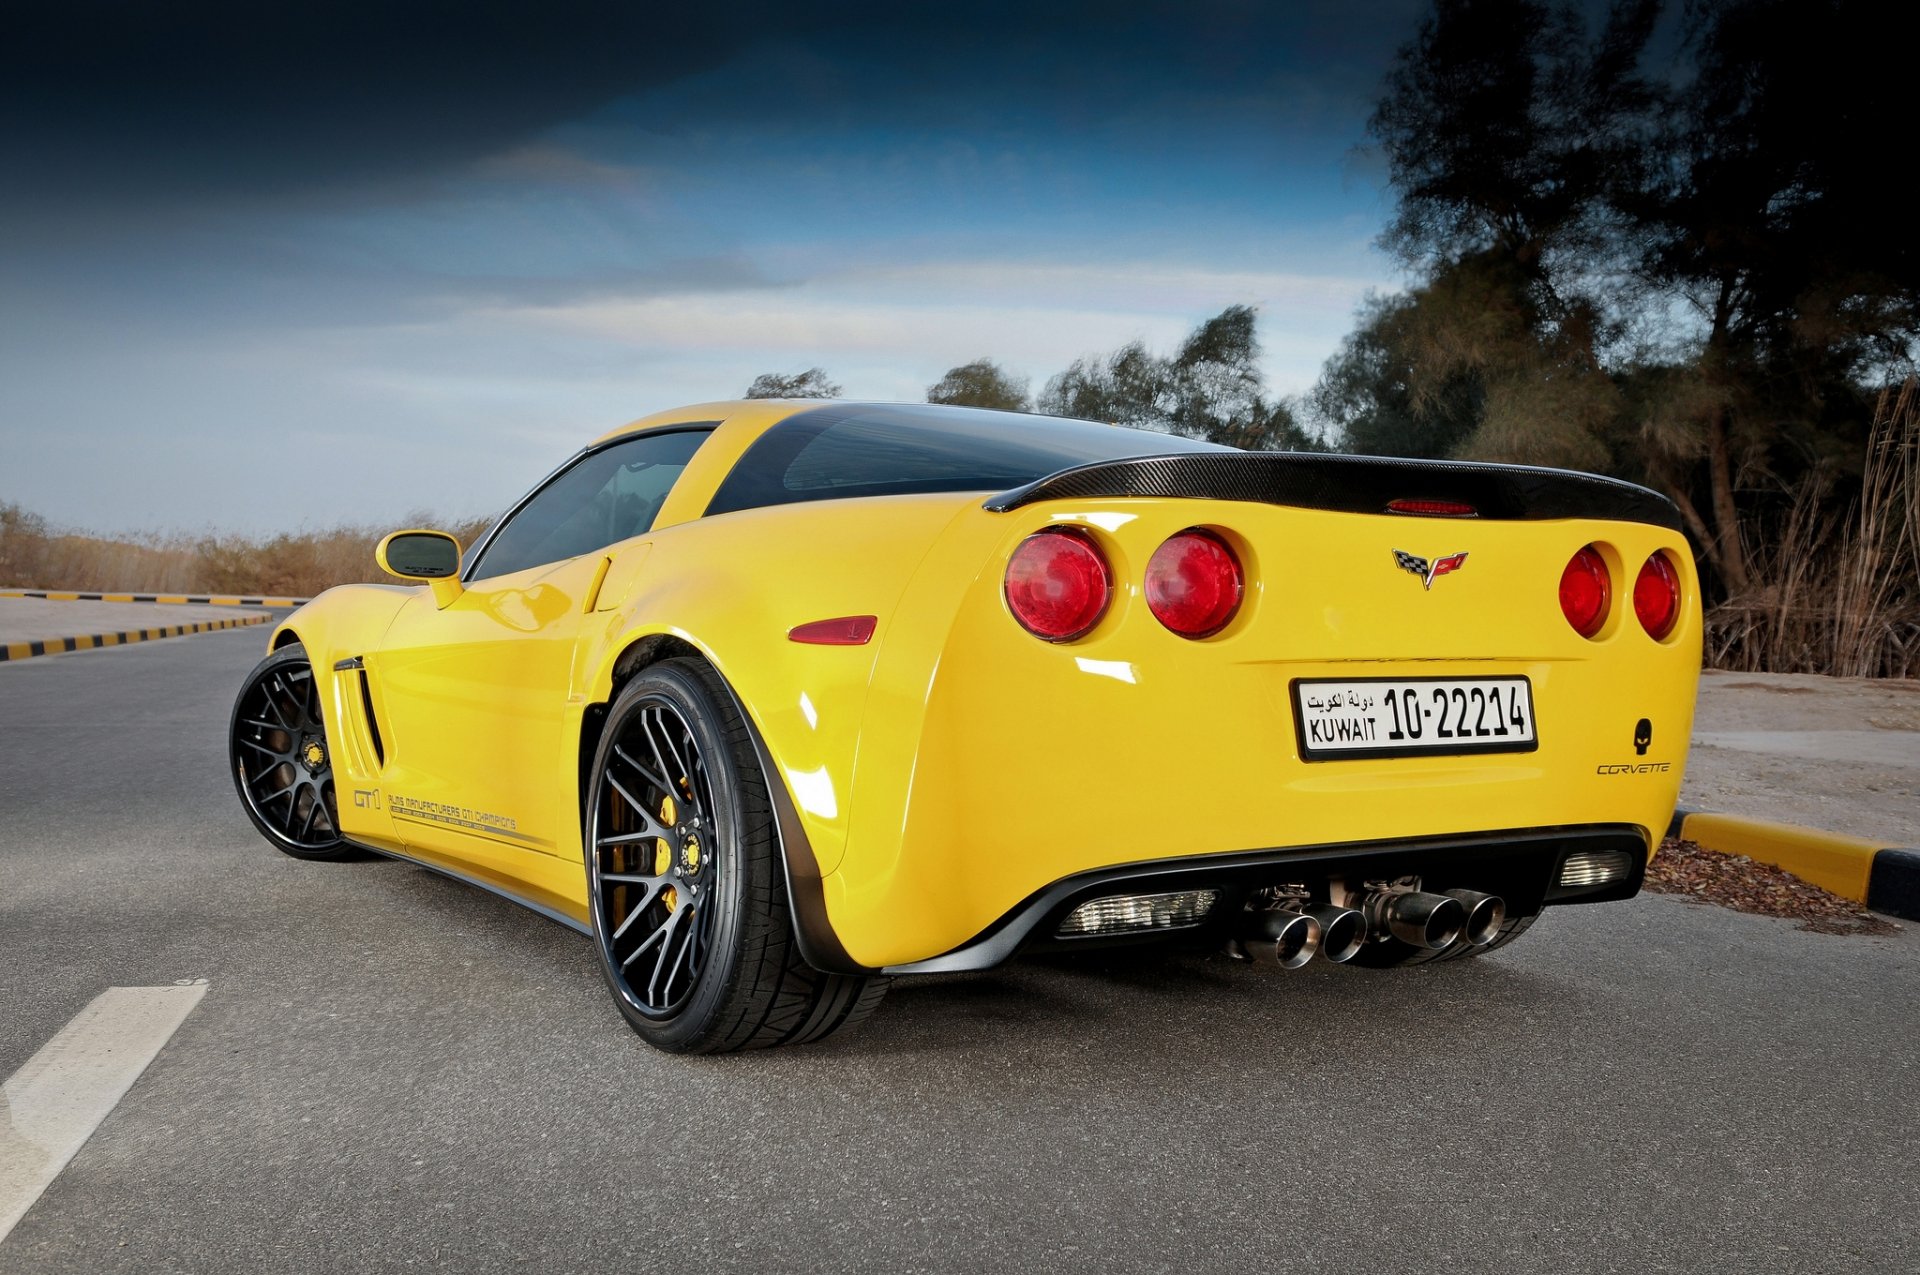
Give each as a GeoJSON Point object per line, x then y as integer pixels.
{"type": "Point", "coordinates": [841, 451]}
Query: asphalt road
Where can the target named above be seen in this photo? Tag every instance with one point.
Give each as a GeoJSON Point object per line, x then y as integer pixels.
{"type": "Point", "coordinates": [393, 1071]}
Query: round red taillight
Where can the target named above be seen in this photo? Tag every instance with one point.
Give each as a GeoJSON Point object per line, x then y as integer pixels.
{"type": "Point", "coordinates": [1058, 584]}
{"type": "Point", "coordinates": [1656, 596]}
{"type": "Point", "coordinates": [1586, 592]}
{"type": "Point", "coordinates": [1194, 583]}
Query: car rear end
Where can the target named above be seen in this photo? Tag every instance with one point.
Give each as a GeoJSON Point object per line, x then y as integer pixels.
{"type": "Point", "coordinates": [1219, 695]}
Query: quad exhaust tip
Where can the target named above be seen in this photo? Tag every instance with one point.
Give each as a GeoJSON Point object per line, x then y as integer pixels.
{"type": "Point", "coordinates": [1418, 918]}
{"type": "Point", "coordinates": [1289, 937]}
{"type": "Point", "coordinates": [1485, 914]}
{"type": "Point", "coordinates": [1343, 932]}
{"type": "Point", "coordinates": [1286, 939]}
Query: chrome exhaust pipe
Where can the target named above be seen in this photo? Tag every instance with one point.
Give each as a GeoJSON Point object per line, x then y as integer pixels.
{"type": "Point", "coordinates": [1343, 932]}
{"type": "Point", "coordinates": [1485, 913]}
{"type": "Point", "coordinates": [1416, 917]}
{"type": "Point", "coordinates": [1283, 938]}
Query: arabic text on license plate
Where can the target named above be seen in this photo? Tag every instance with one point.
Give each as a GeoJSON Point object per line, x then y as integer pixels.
{"type": "Point", "coordinates": [1381, 716]}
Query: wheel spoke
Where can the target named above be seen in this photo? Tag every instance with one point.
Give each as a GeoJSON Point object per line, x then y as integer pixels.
{"type": "Point", "coordinates": [310, 704]}
{"type": "Point", "coordinates": [272, 706]}
{"type": "Point", "coordinates": [671, 931]}
{"type": "Point", "coordinates": [654, 886]}
{"type": "Point", "coordinates": [313, 808]}
{"type": "Point", "coordinates": [703, 795]}
{"type": "Point", "coordinates": [274, 753]}
{"type": "Point", "coordinates": [645, 773]}
{"type": "Point", "coordinates": [677, 766]}
{"type": "Point", "coordinates": [650, 824]}
{"type": "Point", "coordinates": [666, 988]}
{"type": "Point", "coordinates": [660, 935]}
{"type": "Point", "coordinates": [275, 796]}
{"type": "Point", "coordinates": [627, 838]}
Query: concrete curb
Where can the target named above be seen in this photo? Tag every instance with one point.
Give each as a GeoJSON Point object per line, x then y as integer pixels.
{"type": "Point", "coordinates": [93, 641]}
{"type": "Point", "coordinates": [171, 599]}
{"type": "Point", "coordinates": [1881, 877]}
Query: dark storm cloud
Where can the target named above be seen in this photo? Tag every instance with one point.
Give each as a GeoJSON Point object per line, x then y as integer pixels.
{"type": "Point", "coordinates": [222, 97]}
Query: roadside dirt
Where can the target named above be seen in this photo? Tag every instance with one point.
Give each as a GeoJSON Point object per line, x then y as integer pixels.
{"type": "Point", "coordinates": [1737, 882]}
{"type": "Point", "coordinates": [1842, 754]}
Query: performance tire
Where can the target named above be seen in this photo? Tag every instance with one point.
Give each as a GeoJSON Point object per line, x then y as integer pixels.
{"type": "Point", "coordinates": [282, 761]}
{"type": "Point", "coordinates": [687, 893]}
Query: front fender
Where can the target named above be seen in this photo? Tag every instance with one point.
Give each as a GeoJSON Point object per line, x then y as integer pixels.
{"type": "Point", "coordinates": [344, 621]}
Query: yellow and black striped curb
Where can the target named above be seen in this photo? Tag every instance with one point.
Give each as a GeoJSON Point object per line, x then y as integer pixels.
{"type": "Point", "coordinates": [92, 641]}
{"type": "Point", "coordinates": [170, 599]}
{"type": "Point", "coordinates": [1882, 877]}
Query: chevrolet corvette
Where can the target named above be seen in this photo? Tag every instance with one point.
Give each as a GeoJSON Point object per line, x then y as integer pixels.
{"type": "Point", "coordinates": [777, 700]}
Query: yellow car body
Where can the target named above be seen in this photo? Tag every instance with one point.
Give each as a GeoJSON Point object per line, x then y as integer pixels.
{"type": "Point", "coordinates": [945, 784]}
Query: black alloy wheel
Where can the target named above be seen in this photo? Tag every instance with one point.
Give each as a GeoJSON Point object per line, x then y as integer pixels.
{"type": "Point", "coordinates": [282, 761]}
{"type": "Point", "coordinates": [687, 893]}
{"type": "Point", "coordinates": [657, 873]}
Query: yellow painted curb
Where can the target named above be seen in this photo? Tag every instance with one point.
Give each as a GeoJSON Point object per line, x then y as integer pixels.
{"type": "Point", "coordinates": [93, 641]}
{"type": "Point", "coordinates": [170, 599]}
{"type": "Point", "coordinates": [1835, 862]}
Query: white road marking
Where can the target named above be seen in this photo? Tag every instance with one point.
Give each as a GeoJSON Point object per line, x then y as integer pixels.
{"type": "Point", "coordinates": [51, 1106]}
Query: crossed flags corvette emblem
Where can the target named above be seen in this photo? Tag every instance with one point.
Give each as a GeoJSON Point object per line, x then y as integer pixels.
{"type": "Point", "coordinates": [1429, 571]}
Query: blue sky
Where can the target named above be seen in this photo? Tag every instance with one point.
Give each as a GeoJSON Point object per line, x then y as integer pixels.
{"type": "Point", "coordinates": [270, 278]}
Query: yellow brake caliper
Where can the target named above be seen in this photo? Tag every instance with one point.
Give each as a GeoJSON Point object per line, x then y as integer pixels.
{"type": "Point", "coordinates": [663, 853]}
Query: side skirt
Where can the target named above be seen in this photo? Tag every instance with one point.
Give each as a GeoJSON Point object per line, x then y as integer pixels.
{"type": "Point", "coordinates": [491, 887]}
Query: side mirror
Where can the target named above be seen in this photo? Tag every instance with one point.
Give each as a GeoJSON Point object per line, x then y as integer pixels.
{"type": "Point", "coordinates": [432, 557]}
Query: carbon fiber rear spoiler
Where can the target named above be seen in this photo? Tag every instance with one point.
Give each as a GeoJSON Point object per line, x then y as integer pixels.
{"type": "Point", "coordinates": [1353, 484]}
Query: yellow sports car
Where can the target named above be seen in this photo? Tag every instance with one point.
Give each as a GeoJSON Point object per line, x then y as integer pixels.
{"type": "Point", "coordinates": [779, 699]}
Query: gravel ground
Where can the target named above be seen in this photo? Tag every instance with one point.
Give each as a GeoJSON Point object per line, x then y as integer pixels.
{"type": "Point", "coordinates": [1837, 753]}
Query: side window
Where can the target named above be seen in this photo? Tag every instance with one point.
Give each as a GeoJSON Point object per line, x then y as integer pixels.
{"type": "Point", "coordinates": [609, 495]}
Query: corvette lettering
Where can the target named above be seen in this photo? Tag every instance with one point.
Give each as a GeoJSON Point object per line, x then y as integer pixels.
{"type": "Point", "coordinates": [1429, 570]}
{"type": "Point", "coordinates": [1635, 768]}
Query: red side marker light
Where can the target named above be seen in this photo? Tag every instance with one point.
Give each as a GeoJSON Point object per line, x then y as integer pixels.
{"type": "Point", "coordinates": [1433, 508]}
{"type": "Point", "coordinates": [847, 630]}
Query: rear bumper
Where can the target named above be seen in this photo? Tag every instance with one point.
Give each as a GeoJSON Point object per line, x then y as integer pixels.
{"type": "Point", "coordinates": [1520, 865]}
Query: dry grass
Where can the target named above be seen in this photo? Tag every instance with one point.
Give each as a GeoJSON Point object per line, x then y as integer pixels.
{"type": "Point", "coordinates": [35, 556]}
{"type": "Point", "coordinates": [1843, 591]}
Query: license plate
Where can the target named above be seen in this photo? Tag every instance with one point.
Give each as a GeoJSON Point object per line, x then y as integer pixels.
{"type": "Point", "coordinates": [1396, 716]}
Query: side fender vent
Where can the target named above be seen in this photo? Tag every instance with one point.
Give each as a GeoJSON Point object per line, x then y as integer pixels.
{"type": "Point", "coordinates": [373, 722]}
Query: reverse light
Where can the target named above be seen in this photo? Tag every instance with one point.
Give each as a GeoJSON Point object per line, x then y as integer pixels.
{"type": "Point", "coordinates": [1058, 584]}
{"type": "Point", "coordinates": [1586, 592]}
{"type": "Point", "coordinates": [1194, 583]}
{"type": "Point", "coordinates": [1656, 596]}
{"type": "Point", "coordinates": [1595, 867]}
{"type": "Point", "coordinates": [1132, 913]}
